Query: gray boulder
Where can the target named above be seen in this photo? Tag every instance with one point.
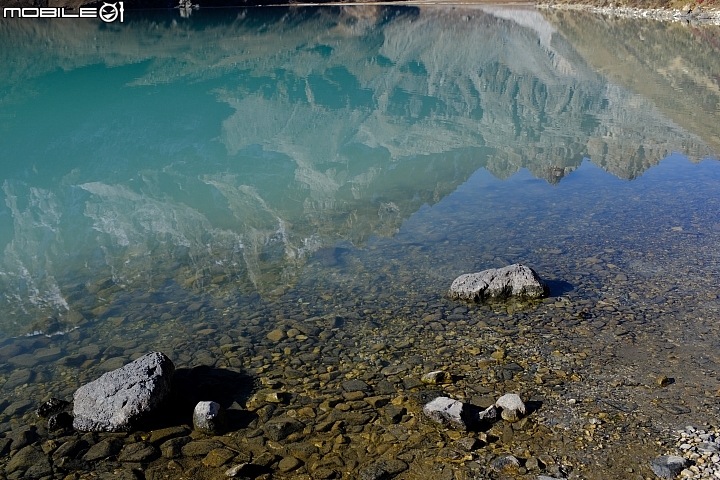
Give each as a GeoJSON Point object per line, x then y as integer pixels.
{"type": "Point", "coordinates": [116, 400]}
{"type": "Point", "coordinates": [668, 466]}
{"type": "Point", "coordinates": [513, 280]}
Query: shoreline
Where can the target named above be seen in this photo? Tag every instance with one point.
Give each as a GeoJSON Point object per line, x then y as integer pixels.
{"type": "Point", "coordinates": [694, 16]}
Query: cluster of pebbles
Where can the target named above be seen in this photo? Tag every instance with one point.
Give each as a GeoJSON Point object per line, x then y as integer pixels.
{"type": "Point", "coordinates": [697, 15]}
{"type": "Point", "coordinates": [702, 448]}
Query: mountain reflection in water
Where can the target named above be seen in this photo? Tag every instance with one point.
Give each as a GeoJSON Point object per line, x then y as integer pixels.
{"type": "Point", "coordinates": [223, 150]}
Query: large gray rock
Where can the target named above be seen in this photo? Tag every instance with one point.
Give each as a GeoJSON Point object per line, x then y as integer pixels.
{"type": "Point", "coordinates": [513, 280]}
{"type": "Point", "coordinates": [668, 466]}
{"type": "Point", "coordinates": [116, 400]}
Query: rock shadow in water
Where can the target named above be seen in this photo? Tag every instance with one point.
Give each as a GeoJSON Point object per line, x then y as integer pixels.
{"type": "Point", "coordinates": [558, 288]}
{"type": "Point", "coordinates": [192, 385]}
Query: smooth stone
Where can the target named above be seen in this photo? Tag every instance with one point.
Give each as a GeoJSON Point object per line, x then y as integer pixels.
{"type": "Point", "coordinates": [668, 466]}
{"type": "Point", "coordinates": [44, 355]}
{"type": "Point", "coordinates": [280, 427]}
{"type": "Point", "coordinates": [198, 448]}
{"type": "Point", "coordinates": [26, 458]}
{"type": "Point", "coordinates": [69, 449]}
{"type": "Point", "coordinates": [138, 452]}
{"type": "Point", "coordinates": [383, 469]}
{"type": "Point", "coordinates": [103, 449]}
{"type": "Point", "coordinates": [24, 360]}
{"type": "Point", "coordinates": [209, 418]}
{"type": "Point", "coordinates": [118, 399]}
{"type": "Point", "coordinates": [218, 457]}
{"type": "Point", "coordinates": [164, 434]}
{"type": "Point", "coordinates": [19, 377]}
{"type": "Point", "coordinates": [512, 407]}
{"type": "Point", "coordinates": [355, 386]}
{"type": "Point", "coordinates": [276, 335]}
{"type": "Point", "coordinates": [288, 464]}
{"type": "Point", "coordinates": [513, 280]}
{"type": "Point", "coordinates": [505, 463]}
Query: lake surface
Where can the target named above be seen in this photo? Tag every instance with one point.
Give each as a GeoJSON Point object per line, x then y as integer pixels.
{"type": "Point", "coordinates": [190, 184]}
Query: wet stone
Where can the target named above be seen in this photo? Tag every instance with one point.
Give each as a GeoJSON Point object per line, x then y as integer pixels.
{"type": "Point", "coordinates": [138, 452]}
{"type": "Point", "coordinates": [23, 437]}
{"type": "Point", "coordinates": [26, 458]}
{"type": "Point", "coordinates": [279, 428]}
{"type": "Point", "coordinates": [288, 464]}
{"type": "Point", "coordinates": [25, 360]}
{"type": "Point", "coordinates": [158, 437]}
{"type": "Point", "coordinates": [44, 355]}
{"type": "Point", "coordinates": [51, 407]}
{"type": "Point", "coordinates": [355, 386]}
{"type": "Point", "coordinates": [383, 469]}
{"type": "Point", "coordinates": [60, 421]}
{"type": "Point", "coordinates": [197, 448]}
{"type": "Point", "coordinates": [105, 448]}
{"type": "Point", "coordinates": [505, 463]}
{"type": "Point", "coordinates": [218, 457]}
{"type": "Point", "coordinates": [70, 449]}
{"type": "Point", "coordinates": [173, 448]}
{"type": "Point", "coordinates": [19, 377]}
{"type": "Point", "coordinates": [5, 445]}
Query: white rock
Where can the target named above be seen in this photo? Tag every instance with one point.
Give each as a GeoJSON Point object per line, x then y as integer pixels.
{"type": "Point", "coordinates": [513, 280]}
{"type": "Point", "coordinates": [512, 407]}
{"type": "Point", "coordinates": [209, 418]}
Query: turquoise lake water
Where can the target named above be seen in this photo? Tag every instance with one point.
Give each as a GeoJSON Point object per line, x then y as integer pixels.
{"type": "Point", "coordinates": [175, 174]}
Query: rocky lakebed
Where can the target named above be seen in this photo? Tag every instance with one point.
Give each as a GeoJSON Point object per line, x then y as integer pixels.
{"type": "Point", "coordinates": [463, 397]}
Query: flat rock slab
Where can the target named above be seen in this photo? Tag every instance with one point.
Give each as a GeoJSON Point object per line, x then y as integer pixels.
{"type": "Point", "coordinates": [118, 399]}
{"type": "Point", "coordinates": [498, 283]}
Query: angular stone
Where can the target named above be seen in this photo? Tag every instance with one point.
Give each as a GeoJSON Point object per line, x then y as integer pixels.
{"type": "Point", "coordinates": [209, 418]}
{"type": "Point", "coordinates": [59, 421]}
{"type": "Point", "coordinates": [355, 386]}
{"type": "Point", "coordinates": [19, 377]}
{"type": "Point", "coordinates": [436, 377]}
{"type": "Point", "coordinates": [512, 407]}
{"type": "Point", "coordinates": [668, 466]}
{"type": "Point", "coordinates": [513, 280]}
{"type": "Point", "coordinates": [51, 407]}
{"type": "Point", "coordinates": [118, 399]}
{"type": "Point", "coordinates": [70, 449]}
{"type": "Point", "coordinates": [279, 428]}
{"type": "Point", "coordinates": [383, 469]}
{"type": "Point", "coordinates": [218, 457]}
{"type": "Point", "coordinates": [448, 411]}
{"type": "Point", "coordinates": [173, 448]}
{"type": "Point", "coordinates": [138, 452]}
{"type": "Point", "coordinates": [505, 463]}
{"type": "Point", "coordinates": [105, 448]}
{"type": "Point", "coordinates": [158, 437]}
{"type": "Point", "coordinates": [199, 447]}
{"type": "Point", "coordinates": [26, 458]}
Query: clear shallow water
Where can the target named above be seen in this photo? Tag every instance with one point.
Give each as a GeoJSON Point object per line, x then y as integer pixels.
{"type": "Point", "coordinates": [190, 184]}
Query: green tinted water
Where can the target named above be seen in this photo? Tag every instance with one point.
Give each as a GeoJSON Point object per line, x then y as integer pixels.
{"type": "Point", "coordinates": [190, 184]}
